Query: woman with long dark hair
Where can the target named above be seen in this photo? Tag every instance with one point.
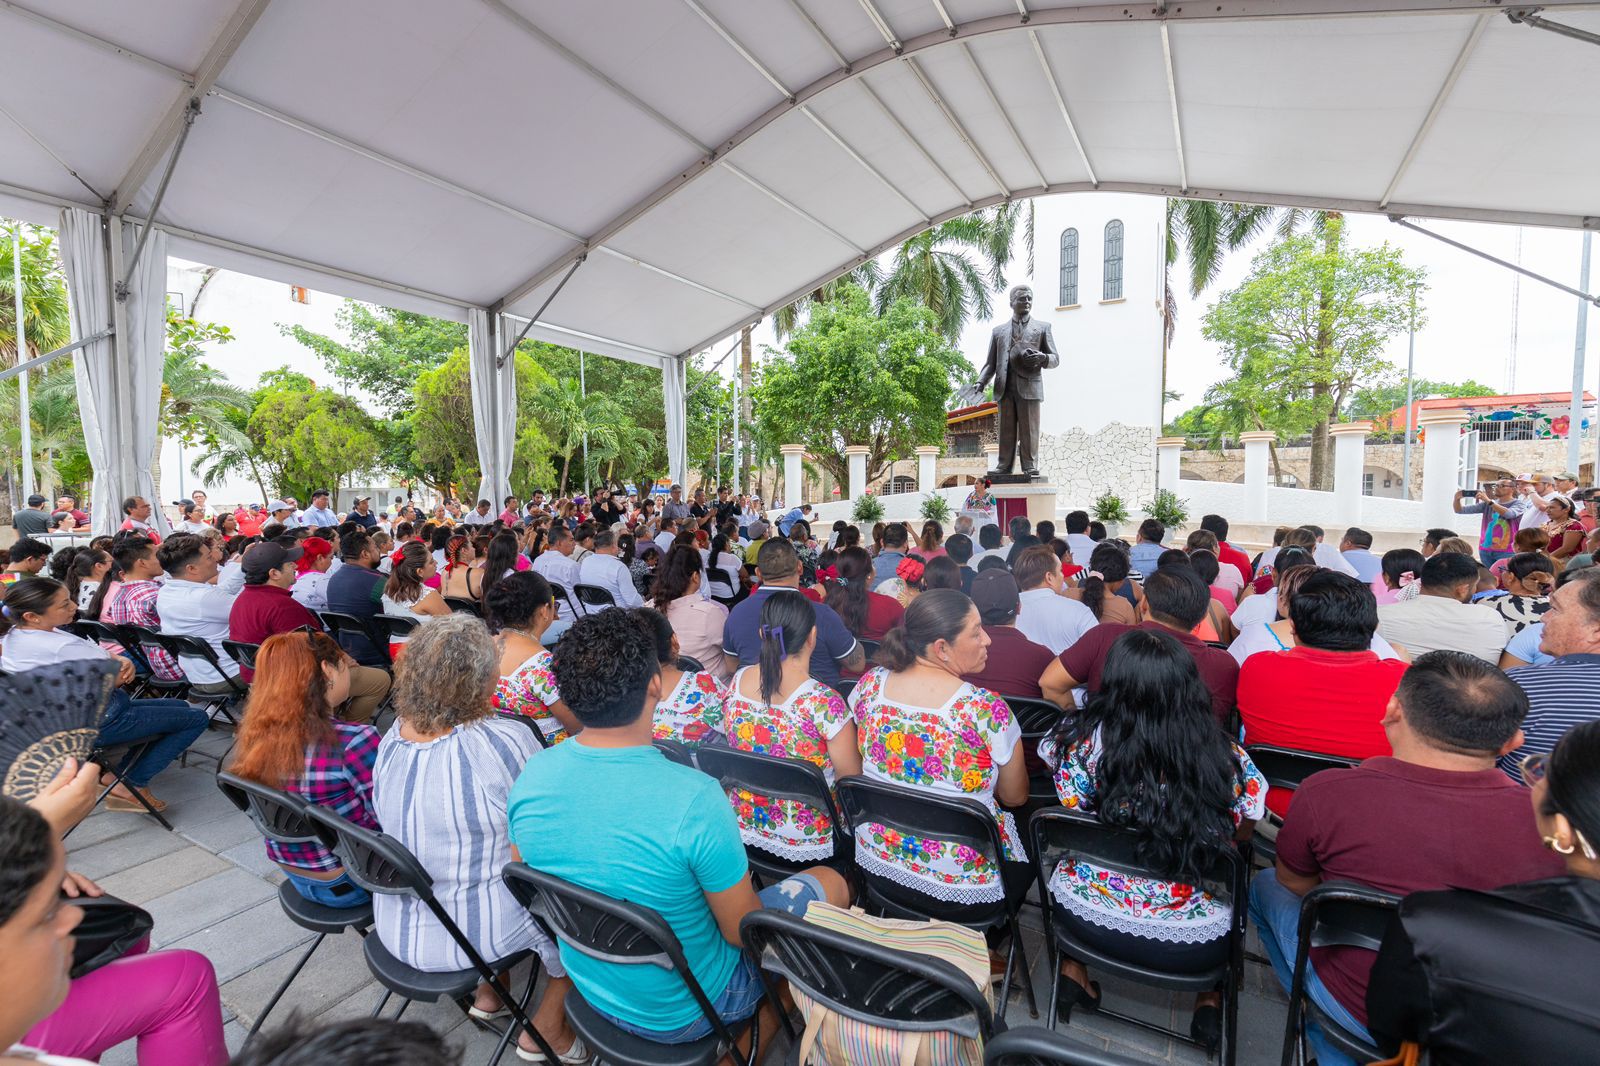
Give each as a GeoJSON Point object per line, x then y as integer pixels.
{"type": "Point", "coordinates": [88, 572]}
{"type": "Point", "coordinates": [1399, 576]}
{"type": "Point", "coordinates": [460, 576]}
{"type": "Point", "coordinates": [728, 566]}
{"type": "Point", "coordinates": [519, 609]}
{"type": "Point", "coordinates": [290, 738]}
{"type": "Point", "coordinates": [923, 727]}
{"type": "Point", "coordinates": [866, 614]}
{"type": "Point", "coordinates": [1107, 574]}
{"type": "Point", "coordinates": [500, 561]}
{"type": "Point", "coordinates": [697, 621]}
{"type": "Point", "coordinates": [930, 544]}
{"type": "Point", "coordinates": [777, 708]}
{"type": "Point", "coordinates": [1145, 754]}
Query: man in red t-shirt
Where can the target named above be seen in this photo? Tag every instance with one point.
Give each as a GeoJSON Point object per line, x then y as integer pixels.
{"type": "Point", "coordinates": [1329, 694]}
{"type": "Point", "coordinates": [1176, 600]}
{"type": "Point", "coordinates": [1437, 814]}
{"type": "Point", "coordinates": [1227, 553]}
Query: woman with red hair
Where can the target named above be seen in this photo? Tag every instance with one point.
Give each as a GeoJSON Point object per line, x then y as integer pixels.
{"type": "Point", "coordinates": [290, 739]}
{"type": "Point", "coordinates": [311, 584]}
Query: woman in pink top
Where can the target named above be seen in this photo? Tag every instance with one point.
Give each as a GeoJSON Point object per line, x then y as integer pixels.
{"type": "Point", "coordinates": [931, 544]}
{"type": "Point", "coordinates": [696, 621]}
{"type": "Point", "coordinates": [1402, 568]}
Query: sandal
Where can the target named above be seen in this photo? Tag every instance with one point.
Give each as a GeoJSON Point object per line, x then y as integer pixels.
{"type": "Point", "coordinates": [575, 1054]}
{"type": "Point", "coordinates": [115, 802]}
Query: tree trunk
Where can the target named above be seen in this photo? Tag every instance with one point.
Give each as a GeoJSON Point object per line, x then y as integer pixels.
{"type": "Point", "coordinates": [1321, 468]}
{"type": "Point", "coordinates": [1322, 390]}
{"type": "Point", "coordinates": [746, 424]}
{"type": "Point", "coordinates": [566, 466]}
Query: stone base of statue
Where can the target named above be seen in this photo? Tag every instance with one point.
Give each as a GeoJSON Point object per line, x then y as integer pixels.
{"type": "Point", "coordinates": [1013, 479]}
{"type": "Point", "coordinates": [1033, 499]}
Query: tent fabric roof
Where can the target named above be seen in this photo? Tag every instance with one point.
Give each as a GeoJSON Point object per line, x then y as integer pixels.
{"type": "Point", "coordinates": [714, 159]}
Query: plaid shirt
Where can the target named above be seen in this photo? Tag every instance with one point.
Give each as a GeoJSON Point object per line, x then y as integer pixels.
{"type": "Point", "coordinates": [338, 776]}
{"type": "Point", "coordinates": [134, 604]}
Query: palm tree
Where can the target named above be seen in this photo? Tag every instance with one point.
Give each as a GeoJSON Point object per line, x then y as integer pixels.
{"type": "Point", "coordinates": [231, 453]}
{"type": "Point", "coordinates": [953, 267]}
{"type": "Point", "coordinates": [569, 417]}
{"type": "Point", "coordinates": [46, 320]}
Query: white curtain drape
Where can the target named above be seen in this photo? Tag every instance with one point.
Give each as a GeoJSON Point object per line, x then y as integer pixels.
{"type": "Point", "coordinates": [494, 404]}
{"type": "Point", "coordinates": [673, 390]}
{"type": "Point", "coordinates": [118, 379]}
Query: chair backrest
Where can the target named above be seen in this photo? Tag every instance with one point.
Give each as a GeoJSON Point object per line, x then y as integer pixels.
{"type": "Point", "coordinates": [677, 751]}
{"type": "Point", "coordinates": [869, 648]}
{"type": "Point", "coordinates": [1056, 833]}
{"type": "Point", "coordinates": [868, 982]}
{"type": "Point", "coordinates": [770, 776]}
{"type": "Point", "coordinates": [279, 816]}
{"type": "Point", "coordinates": [242, 653]}
{"type": "Point", "coordinates": [461, 603]}
{"type": "Point", "coordinates": [376, 861]}
{"type": "Point", "coordinates": [607, 929]}
{"type": "Point", "coordinates": [530, 723]}
{"type": "Point", "coordinates": [918, 813]}
{"type": "Point", "coordinates": [721, 587]}
{"type": "Point", "coordinates": [1034, 1045]}
{"type": "Point", "coordinates": [89, 629]}
{"type": "Point", "coordinates": [1287, 768]}
{"type": "Point", "coordinates": [845, 687]}
{"type": "Point", "coordinates": [395, 625]}
{"type": "Point", "coordinates": [561, 592]}
{"type": "Point", "coordinates": [1035, 717]}
{"type": "Point", "coordinates": [1345, 914]}
{"type": "Point", "coordinates": [341, 624]}
{"type": "Point", "coordinates": [690, 665]}
{"type": "Point", "coordinates": [594, 596]}
{"type": "Point", "coordinates": [184, 644]}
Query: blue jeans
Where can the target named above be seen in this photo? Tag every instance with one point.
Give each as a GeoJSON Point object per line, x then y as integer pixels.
{"type": "Point", "coordinates": [742, 996]}
{"type": "Point", "coordinates": [340, 892]}
{"type": "Point", "coordinates": [173, 721]}
{"type": "Point", "coordinates": [1489, 557]}
{"type": "Point", "coordinates": [1276, 912]}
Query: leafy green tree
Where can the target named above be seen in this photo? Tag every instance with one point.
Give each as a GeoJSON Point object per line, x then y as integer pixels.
{"type": "Point", "coordinates": [443, 438]}
{"type": "Point", "coordinates": [388, 350]}
{"type": "Point", "coordinates": [1307, 325]}
{"type": "Point", "coordinates": [195, 397]}
{"type": "Point", "coordinates": [233, 454]}
{"type": "Point", "coordinates": [573, 417]}
{"type": "Point", "coordinates": [45, 318]}
{"type": "Point", "coordinates": [309, 437]}
{"type": "Point", "coordinates": [858, 377]}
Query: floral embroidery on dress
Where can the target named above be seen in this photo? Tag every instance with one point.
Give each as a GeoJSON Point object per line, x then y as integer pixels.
{"type": "Point", "coordinates": [952, 749]}
{"type": "Point", "coordinates": [1141, 906]}
{"type": "Point", "coordinates": [692, 712]}
{"type": "Point", "coordinates": [530, 690]}
{"type": "Point", "coordinates": [798, 728]}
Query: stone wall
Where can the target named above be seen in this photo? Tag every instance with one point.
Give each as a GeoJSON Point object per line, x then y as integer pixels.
{"type": "Point", "coordinates": [1082, 465]}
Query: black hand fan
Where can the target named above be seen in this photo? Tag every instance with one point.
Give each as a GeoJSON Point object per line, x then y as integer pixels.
{"type": "Point", "coordinates": [47, 716]}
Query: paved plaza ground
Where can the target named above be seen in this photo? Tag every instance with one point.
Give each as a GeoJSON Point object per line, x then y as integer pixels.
{"type": "Point", "coordinates": [211, 889]}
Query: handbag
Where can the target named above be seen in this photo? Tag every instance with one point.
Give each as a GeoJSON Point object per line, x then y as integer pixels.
{"type": "Point", "coordinates": [831, 1039]}
{"type": "Point", "coordinates": [111, 928]}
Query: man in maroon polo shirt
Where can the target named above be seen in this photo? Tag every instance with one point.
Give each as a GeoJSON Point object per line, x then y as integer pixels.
{"type": "Point", "coordinates": [1437, 814]}
{"type": "Point", "coordinates": [1330, 692]}
{"type": "Point", "coordinates": [1015, 662]}
{"type": "Point", "coordinates": [1175, 600]}
{"type": "Point", "coordinates": [265, 607]}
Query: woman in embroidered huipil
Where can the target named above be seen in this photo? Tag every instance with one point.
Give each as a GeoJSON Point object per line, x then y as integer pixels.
{"type": "Point", "coordinates": [690, 708]}
{"type": "Point", "coordinates": [519, 609]}
{"type": "Point", "coordinates": [1146, 753]}
{"type": "Point", "coordinates": [923, 727]}
{"type": "Point", "coordinates": [778, 708]}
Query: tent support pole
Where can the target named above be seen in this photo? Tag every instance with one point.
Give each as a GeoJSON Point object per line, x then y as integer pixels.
{"type": "Point", "coordinates": [526, 326]}
{"type": "Point", "coordinates": [1554, 284]}
{"type": "Point", "coordinates": [47, 357]}
{"type": "Point", "coordinates": [190, 113]}
{"type": "Point", "coordinates": [1526, 17]}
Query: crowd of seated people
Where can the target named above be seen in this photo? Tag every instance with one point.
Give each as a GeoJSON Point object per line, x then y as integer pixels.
{"type": "Point", "coordinates": [1451, 687]}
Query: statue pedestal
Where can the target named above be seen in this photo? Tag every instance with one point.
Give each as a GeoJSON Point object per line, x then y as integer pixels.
{"type": "Point", "coordinates": [1034, 500]}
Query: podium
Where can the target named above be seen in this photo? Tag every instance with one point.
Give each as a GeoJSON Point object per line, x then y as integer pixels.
{"type": "Point", "coordinates": [1033, 500]}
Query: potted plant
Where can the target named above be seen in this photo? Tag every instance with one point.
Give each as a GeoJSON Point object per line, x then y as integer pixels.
{"type": "Point", "coordinates": [1167, 508]}
{"type": "Point", "coordinates": [935, 508]}
{"type": "Point", "coordinates": [868, 509]}
{"type": "Point", "coordinates": [1110, 511]}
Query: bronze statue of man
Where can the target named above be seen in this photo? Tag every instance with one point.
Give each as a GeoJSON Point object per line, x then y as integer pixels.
{"type": "Point", "coordinates": [1019, 352]}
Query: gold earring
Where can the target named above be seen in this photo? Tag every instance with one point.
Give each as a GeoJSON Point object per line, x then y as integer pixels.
{"type": "Point", "coordinates": [1554, 844]}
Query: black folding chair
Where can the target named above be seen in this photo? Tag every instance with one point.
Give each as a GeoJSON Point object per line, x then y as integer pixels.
{"type": "Point", "coordinates": [1285, 769]}
{"type": "Point", "coordinates": [1060, 835]}
{"type": "Point", "coordinates": [677, 751]}
{"type": "Point", "coordinates": [780, 779]}
{"type": "Point", "coordinates": [242, 653]}
{"type": "Point", "coordinates": [690, 665]}
{"type": "Point", "coordinates": [394, 627]}
{"type": "Point", "coordinates": [179, 645]}
{"type": "Point", "coordinates": [627, 934]}
{"type": "Point", "coordinates": [280, 817]}
{"type": "Point", "coordinates": [1036, 718]}
{"type": "Point", "coordinates": [115, 759]}
{"type": "Point", "coordinates": [467, 606]}
{"type": "Point", "coordinates": [354, 633]}
{"type": "Point", "coordinates": [381, 864]}
{"type": "Point", "coordinates": [144, 642]}
{"type": "Point", "coordinates": [529, 722]}
{"type": "Point", "coordinates": [921, 813]}
{"type": "Point", "coordinates": [561, 592]}
{"type": "Point", "coordinates": [845, 687]}
{"type": "Point", "coordinates": [869, 648]}
{"type": "Point", "coordinates": [867, 982]}
{"type": "Point", "coordinates": [1334, 914]}
{"type": "Point", "coordinates": [1033, 1045]}
{"type": "Point", "coordinates": [593, 596]}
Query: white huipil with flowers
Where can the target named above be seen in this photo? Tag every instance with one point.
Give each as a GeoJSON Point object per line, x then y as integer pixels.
{"type": "Point", "coordinates": [955, 749]}
{"type": "Point", "coordinates": [797, 728]}
{"type": "Point", "coordinates": [1142, 906]}
{"type": "Point", "coordinates": [692, 712]}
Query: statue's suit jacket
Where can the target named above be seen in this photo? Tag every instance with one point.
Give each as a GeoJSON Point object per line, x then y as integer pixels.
{"type": "Point", "coordinates": [1028, 384]}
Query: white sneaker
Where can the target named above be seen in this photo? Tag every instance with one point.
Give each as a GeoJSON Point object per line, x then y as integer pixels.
{"type": "Point", "coordinates": [574, 1055]}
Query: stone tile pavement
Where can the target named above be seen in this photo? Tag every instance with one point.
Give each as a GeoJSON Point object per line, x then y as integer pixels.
{"type": "Point", "coordinates": [211, 889]}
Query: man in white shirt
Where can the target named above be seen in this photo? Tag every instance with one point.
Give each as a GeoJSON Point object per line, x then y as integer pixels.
{"type": "Point", "coordinates": [1540, 491]}
{"type": "Point", "coordinates": [1078, 539]}
{"type": "Point", "coordinates": [603, 569]}
{"type": "Point", "coordinates": [1045, 616]}
{"type": "Point", "coordinates": [190, 605]}
{"type": "Point", "coordinates": [319, 514]}
{"type": "Point", "coordinates": [989, 542]}
{"type": "Point", "coordinates": [1442, 618]}
{"type": "Point", "coordinates": [555, 564]}
{"type": "Point", "coordinates": [1326, 555]}
{"type": "Point", "coordinates": [480, 516]}
{"type": "Point", "coordinates": [669, 533]}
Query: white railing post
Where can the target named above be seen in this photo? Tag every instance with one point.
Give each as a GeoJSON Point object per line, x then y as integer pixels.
{"type": "Point", "coordinates": [1256, 460]}
{"type": "Point", "coordinates": [793, 474]}
{"type": "Point", "coordinates": [1349, 462]}
{"type": "Point", "coordinates": [927, 468]}
{"type": "Point", "coordinates": [856, 454]}
{"type": "Point", "coordinates": [1169, 453]}
{"type": "Point", "coordinates": [1441, 463]}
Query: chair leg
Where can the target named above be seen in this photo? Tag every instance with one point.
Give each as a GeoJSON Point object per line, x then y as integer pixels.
{"type": "Point", "coordinates": [404, 1005]}
{"type": "Point", "coordinates": [1021, 952]}
{"type": "Point", "coordinates": [1054, 960]}
{"type": "Point", "coordinates": [382, 1003]}
{"type": "Point", "coordinates": [284, 987]}
{"type": "Point", "coordinates": [511, 1030]}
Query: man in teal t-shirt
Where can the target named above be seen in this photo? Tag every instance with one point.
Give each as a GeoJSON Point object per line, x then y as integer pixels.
{"type": "Point", "coordinates": [606, 810]}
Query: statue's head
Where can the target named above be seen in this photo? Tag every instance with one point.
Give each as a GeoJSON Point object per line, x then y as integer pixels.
{"type": "Point", "coordinates": [1021, 300]}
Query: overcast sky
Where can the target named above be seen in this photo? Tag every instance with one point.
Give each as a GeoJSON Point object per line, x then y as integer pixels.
{"type": "Point", "coordinates": [1467, 309]}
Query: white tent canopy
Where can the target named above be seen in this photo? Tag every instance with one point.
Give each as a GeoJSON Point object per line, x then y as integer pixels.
{"type": "Point", "coordinates": [710, 160]}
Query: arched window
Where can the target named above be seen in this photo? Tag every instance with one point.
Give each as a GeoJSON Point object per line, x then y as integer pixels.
{"type": "Point", "coordinates": [1069, 267]}
{"type": "Point", "coordinates": [1113, 266]}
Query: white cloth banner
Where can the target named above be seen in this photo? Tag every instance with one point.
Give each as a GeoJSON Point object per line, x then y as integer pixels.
{"type": "Point", "coordinates": [673, 389]}
{"type": "Point", "coordinates": [494, 406]}
{"type": "Point", "coordinates": [118, 379]}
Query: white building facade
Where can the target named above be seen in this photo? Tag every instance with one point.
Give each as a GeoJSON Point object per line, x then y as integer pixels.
{"type": "Point", "coordinates": [1099, 281]}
